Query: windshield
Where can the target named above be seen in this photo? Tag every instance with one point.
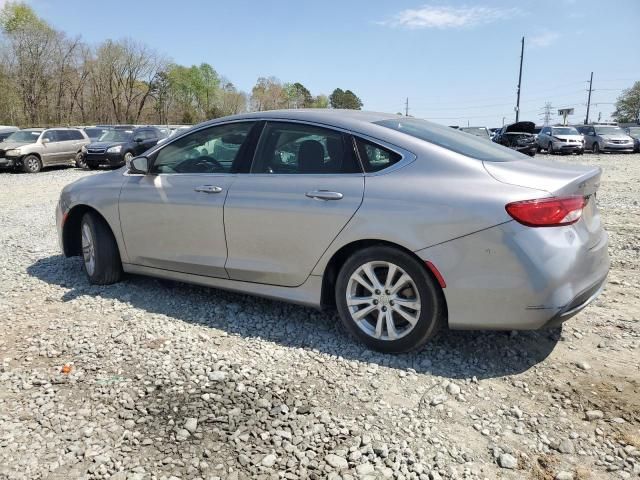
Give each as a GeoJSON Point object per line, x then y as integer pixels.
{"type": "Point", "coordinates": [477, 131]}
{"type": "Point", "coordinates": [564, 131]}
{"type": "Point", "coordinates": [116, 136]}
{"type": "Point", "coordinates": [24, 136]}
{"type": "Point", "coordinates": [609, 131]}
{"type": "Point", "coordinates": [453, 140]}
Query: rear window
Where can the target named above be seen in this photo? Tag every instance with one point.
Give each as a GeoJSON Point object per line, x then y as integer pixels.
{"type": "Point", "coordinates": [454, 140]}
{"type": "Point", "coordinates": [374, 157]}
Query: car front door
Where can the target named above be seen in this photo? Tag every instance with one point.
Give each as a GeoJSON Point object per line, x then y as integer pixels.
{"type": "Point", "coordinates": [53, 147]}
{"type": "Point", "coordinates": [304, 185]}
{"type": "Point", "coordinates": [172, 217]}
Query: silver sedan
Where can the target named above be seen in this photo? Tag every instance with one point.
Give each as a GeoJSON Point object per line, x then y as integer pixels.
{"type": "Point", "coordinates": [402, 225]}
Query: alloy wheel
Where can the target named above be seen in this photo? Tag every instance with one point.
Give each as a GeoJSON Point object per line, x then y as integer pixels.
{"type": "Point", "coordinates": [383, 300]}
{"type": "Point", "coordinates": [33, 164]}
{"type": "Point", "coordinates": [88, 249]}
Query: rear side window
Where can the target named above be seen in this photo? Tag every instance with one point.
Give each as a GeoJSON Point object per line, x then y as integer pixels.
{"type": "Point", "coordinates": [75, 135]}
{"type": "Point", "coordinates": [293, 148]}
{"type": "Point", "coordinates": [451, 139]}
{"type": "Point", "coordinates": [374, 157]}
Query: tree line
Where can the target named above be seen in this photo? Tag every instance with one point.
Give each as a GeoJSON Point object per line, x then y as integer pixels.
{"type": "Point", "coordinates": [50, 78]}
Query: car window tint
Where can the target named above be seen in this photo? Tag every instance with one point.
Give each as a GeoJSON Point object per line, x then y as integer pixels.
{"type": "Point", "coordinates": [374, 157]}
{"type": "Point", "coordinates": [294, 148]}
{"type": "Point", "coordinates": [211, 150]}
{"type": "Point", "coordinates": [75, 135]}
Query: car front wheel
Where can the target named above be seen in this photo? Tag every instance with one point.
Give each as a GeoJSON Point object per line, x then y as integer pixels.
{"type": "Point", "coordinates": [80, 163]}
{"type": "Point", "coordinates": [31, 164]}
{"type": "Point", "coordinates": [100, 256]}
{"type": "Point", "coordinates": [596, 147]}
{"type": "Point", "coordinates": [389, 300]}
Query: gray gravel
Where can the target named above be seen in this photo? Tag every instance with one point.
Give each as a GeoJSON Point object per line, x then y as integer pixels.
{"type": "Point", "coordinates": [170, 381]}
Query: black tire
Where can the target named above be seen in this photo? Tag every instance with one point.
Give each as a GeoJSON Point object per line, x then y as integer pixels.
{"type": "Point", "coordinates": [107, 267]}
{"type": "Point", "coordinates": [31, 164]}
{"type": "Point", "coordinates": [550, 148]}
{"type": "Point", "coordinates": [432, 314]}
{"type": "Point", "coordinates": [596, 148]}
{"type": "Point", "coordinates": [580, 152]}
{"type": "Point", "coordinates": [80, 162]}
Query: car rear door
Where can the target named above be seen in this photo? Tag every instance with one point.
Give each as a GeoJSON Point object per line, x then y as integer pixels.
{"type": "Point", "coordinates": [172, 218]}
{"type": "Point", "coordinates": [304, 185]}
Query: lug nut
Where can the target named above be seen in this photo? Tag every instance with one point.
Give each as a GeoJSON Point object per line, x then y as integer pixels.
{"type": "Point", "coordinates": [384, 309]}
{"type": "Point", "coordinates": [377, 292]}
{"type": "Point", "coordinates": [375, 302]}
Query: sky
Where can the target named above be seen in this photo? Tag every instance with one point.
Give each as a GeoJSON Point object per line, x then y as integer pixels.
{"type": "Point", "coordinates": [456, 62]}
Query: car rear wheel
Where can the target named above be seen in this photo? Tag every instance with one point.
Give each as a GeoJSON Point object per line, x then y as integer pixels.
{"type": "Point", "coordinates": [100, 256]}
{"type": "Point", "coordinates": [596, 147]}
{"type": "Point", "coordinates": [388, 300]}
{"type": "Point", "coordinates": [31, 164]}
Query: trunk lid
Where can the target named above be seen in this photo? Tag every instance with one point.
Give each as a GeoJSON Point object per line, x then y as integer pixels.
{"type": "Point", "coordinates": [558, 179]}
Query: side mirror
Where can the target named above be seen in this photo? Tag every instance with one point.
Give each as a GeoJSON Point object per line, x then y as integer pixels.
{"type": "Point", "coordinates": [45, 140]}
{"type": "Point", "coordinates": [137, 139]}
{"type": "Point", "coordinates": [139, 165]}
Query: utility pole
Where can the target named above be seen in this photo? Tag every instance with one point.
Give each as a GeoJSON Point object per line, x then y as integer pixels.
{"type": "Point", "coordinates": [586, 120]}
{"type": "Point", "coordinates": [406, 108]}
{"type": "Point", "coordinates": [519, 81]}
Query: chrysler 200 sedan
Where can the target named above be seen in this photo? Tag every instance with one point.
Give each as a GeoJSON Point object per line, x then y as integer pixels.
{"type": "Point", "coordinates": [403, 225]}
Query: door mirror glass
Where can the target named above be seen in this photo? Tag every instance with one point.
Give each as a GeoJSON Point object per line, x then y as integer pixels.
{"type": "Point", "coordinates": [137, 139]}
{"type": "Point", "coordinates": [138, 165]}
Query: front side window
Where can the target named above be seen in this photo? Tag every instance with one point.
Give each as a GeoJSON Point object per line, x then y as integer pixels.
{"type": "Point", "coordinates": [211, 150]}
{"type": "Point", "coordinates": [52, 136]}
{"type": "Point", "coordinates": [374, 157]}
{"type": "Point", "coordinates": [290, 148]}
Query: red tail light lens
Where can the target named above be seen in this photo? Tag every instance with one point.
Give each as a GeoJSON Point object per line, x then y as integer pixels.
{"type": "Point", "coordinates": [547, 212]}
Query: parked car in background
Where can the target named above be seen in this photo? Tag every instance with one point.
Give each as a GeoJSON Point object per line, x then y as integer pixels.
{"type": "Point", "coordinates": [482, 132]}
{"type": "Point", "coordinates": [94, 133]}
{"type": "Point", "coordinates": [560, 140]}
{"type": "Point", "coordinates": [518, 136]}
{"type": "Point", "coordinates": [606, 138]}
{"type": "Point", "coordinates": [634, 132]}
{"type": "Point", "coordinates": [32, 149]}
{"type": "Point", "coordinates": [5, 131]}
{"type": "Point", "coordinates": [520, 244]}
{"type": "Point", "coordinates": [118, 146]}
{"type": "Point", "coordinates": [175, 131]}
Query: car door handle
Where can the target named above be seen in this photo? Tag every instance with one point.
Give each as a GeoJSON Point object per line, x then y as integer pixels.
{"type": "Point", "coordinates": [324, 195]}
{"type": "Point", "coordinates": [208, 189]}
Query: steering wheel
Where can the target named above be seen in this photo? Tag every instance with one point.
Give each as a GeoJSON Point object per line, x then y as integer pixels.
{"type": "Point", "coordinates": [201, 164]}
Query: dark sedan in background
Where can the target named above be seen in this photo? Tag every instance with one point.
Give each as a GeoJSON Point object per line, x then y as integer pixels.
{"type": "Point", "coordinates": [116, 147]}
{"type": "Point", "coordinates": [519, 136]}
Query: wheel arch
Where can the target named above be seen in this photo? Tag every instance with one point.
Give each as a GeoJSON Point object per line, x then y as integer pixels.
{"type": "Point", "coordinates": [330, 274]}
{"type": "Point", "coordinates": [71, 242]}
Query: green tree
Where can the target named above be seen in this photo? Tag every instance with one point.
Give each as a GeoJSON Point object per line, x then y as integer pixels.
{"type": "Point", "coordinates": [298, 96]}
{"type": "Point", "coordinates": [320, 101]}
{"type": "Point", "coordinates": [628, 105]}
{"type": "Point", "coordinates": [345, 99]}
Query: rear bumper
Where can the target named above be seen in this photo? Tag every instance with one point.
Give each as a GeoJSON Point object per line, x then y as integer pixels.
{"type": "Point", "coordinates": [512, 277]}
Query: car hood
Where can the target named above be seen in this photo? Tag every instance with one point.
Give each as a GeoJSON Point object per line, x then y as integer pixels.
{"type": "Point", "coordinates": [555, 177]}
{"type": "Point", "coordinates": [521, 127]}
{"type": "Point", "coordinates": [112, 179]}
{"type": "Point", "coordinates": [100, 145]}
{"type": "Point", "coordinates": [10, 145]}
{"type": "Point", "coordinates": [616, 137]}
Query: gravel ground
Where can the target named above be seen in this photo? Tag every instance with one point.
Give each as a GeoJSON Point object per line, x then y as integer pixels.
{"type": "Point", "coordinates": [159, 380]}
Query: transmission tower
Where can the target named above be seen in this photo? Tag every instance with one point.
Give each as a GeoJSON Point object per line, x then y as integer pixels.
{"type": "Point", "coordinates": [546, 113]}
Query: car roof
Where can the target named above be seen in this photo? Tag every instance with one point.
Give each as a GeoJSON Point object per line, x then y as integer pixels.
{"type": "Point", "coordinates": [347, 119]}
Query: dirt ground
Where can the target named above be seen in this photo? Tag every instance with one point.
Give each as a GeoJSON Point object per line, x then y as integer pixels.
{"type": "Point", "coordinates": [171, 381]}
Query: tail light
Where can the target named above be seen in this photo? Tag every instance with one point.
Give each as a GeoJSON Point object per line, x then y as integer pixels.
{"type": "Point", "coordinates": [547, 212]}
